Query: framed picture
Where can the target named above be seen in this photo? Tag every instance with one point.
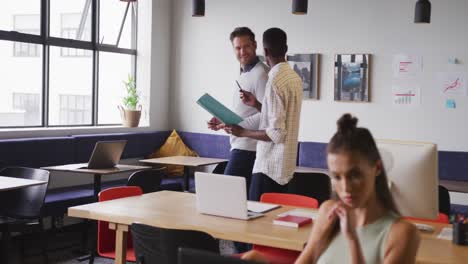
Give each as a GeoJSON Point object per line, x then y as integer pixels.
{"type": "Point", "coordinates": [306, 66]}
{"type": "Point", "coordinates": [352, 77]}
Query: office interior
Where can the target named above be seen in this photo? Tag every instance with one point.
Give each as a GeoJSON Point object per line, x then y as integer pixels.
{"type": "Point", "coordinates": [181, 57]}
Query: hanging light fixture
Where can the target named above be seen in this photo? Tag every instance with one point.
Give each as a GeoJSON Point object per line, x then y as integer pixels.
{"type": "Point", "coordinates": [198, 8]}
{"type": "Point", "coordinates": [422, 12]}
{"type": "Point", "coordinates": [299, 7]}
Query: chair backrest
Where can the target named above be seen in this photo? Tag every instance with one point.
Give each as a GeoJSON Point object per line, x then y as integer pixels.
{"type": "Point", "coordinates": [24, 202]}
{"type": "Point", "coordinates": [441, 218]}
{"type": "Point", "coordinates": [444, 200]}
{"type": "Point", "coordinates": [194, 256]}
{"type": "Point", "coordinates": [220, 167]}
{"type": "Point", "coordinates": [160, 245]}
{"type": "Point", "coordinates": [289, 199]}
{"type": "Point", "coordinates": [147, 180]}
{"type": "Point", "coordinates": [313, 184]}
{"type": "Point", "coordinates": [106, 236]}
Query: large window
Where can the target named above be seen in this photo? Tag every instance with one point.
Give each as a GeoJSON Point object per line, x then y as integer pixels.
{"type": "Point", "coordinates": [65, 61]}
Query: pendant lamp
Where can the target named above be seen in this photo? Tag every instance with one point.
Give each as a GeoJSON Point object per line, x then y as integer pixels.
{"type": "Point", "coordinates": [299, 7]}
{"type": "Point", "coordinates": [198, 8]}
{"type": "Point", "coordinates": [422, 12]}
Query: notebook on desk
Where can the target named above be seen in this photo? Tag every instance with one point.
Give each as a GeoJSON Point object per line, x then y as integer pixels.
{"type": "Point", "coordinates": [222, 195]}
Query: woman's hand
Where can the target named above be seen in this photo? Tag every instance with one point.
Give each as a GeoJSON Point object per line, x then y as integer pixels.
{"type": "Point", "coordinates": [347, 222]}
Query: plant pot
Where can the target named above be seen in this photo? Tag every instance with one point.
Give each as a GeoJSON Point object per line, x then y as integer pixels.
{"type": "Point", "coordinates": [130, 118]}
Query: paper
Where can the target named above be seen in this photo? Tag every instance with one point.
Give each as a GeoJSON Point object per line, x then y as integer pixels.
{"type": "Point", "coordinates": [446, 233]}
{"type": "Point", "coordinates": [452, 83]}
{"type": "Point", "coordinates": [406, 94]}
{"type": "Point", "coordinates": [257, 207]}
{"type": "Point", "coordinates": [405, 65]}
{"type": "Point", "coordinates": [218, 110]}
{"type": "Point", "coordinates": [301, 212]}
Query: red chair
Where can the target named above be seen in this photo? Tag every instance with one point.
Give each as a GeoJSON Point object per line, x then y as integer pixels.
{"type": "Point", "coordinates": [442, 218]}
{"type": "Point", "coordinates": [106, 236]}
{"type": "Point", "coordinates": [278, 255]}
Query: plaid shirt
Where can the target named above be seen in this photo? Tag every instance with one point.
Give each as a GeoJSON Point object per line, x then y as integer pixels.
{"type": "Point", "coordinates": [280, 116]}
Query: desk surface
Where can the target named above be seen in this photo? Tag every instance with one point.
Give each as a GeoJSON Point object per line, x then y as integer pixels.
{"type": "Point", "coordinates": [310, 170]}
{"type": "Point", "coordinates": [184, 160]}
{"type": "Point", "coordinates": [178, 210]}
{"type": "Point", "coordinates": [116, 169]}
{"type": "Point", "coordinates": [9, 183]}
{"type": "Point", "coordinates": [455, 186]}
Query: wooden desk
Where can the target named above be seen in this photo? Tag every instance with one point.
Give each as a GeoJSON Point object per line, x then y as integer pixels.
{"type": "Point", "coordinates": [455, 186]}
{"type": "Point", "coordinates": [158, 209]}
{"type": "Point", "coordinates": [187, 162]}
{"type": "Point", "coordinates": [96, 172]}
{"type": "Point", "coordinates": [9, 183]}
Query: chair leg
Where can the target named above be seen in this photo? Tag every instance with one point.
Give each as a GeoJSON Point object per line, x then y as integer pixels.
{"type": "Point", "coordinates": [43, 241]}
{"type": "Point", "coordinates": [5, 243]}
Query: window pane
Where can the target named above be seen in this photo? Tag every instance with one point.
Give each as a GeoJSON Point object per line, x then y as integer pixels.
{"type": "Point", "coordinates": [21, 15]}
{"type": "Point", "coordinates": [21, 91]}
{"type": "Point", "coordinates": [114, 69]}
{"type": "Point", "coordinates": [70, 19]}
{"type": "Point", "coordinates": [70, 81]}
{"type": "Point", "coordinates": [112, 14]}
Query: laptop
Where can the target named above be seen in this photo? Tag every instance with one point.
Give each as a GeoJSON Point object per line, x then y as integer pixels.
{"type": "Point", "coordinates": [222, 195]}
{"type": "Point", "coordinates": [106, 155]}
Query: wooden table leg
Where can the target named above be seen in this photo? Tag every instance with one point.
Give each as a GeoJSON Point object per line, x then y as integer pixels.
{"type": "Point", "coordinates": [121, 232]}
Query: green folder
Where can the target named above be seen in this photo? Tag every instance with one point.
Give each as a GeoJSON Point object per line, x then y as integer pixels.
{"type": "Point", "coordinates": [218, 110]}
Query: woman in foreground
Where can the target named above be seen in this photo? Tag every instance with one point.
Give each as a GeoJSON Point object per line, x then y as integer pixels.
{"type": "Point", "coordinates": [361, 223]}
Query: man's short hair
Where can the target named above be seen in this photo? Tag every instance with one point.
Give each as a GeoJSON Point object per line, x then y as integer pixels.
{"type": "Point", "coordinates": [242, 31]}
{"type": "Point", "coordinates": [275, 40]}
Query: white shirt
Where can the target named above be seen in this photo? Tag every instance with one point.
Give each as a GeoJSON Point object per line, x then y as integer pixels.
{"type": "Point", "coordinates": [280, 116]}
{"type": "Point", "coordinates": [254, 81]}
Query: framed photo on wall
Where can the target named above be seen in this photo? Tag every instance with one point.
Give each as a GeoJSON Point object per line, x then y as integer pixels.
{"type": "Point", "coordinates": [352, 77]}
{"type": "Point", "coordinates": [306, 66]}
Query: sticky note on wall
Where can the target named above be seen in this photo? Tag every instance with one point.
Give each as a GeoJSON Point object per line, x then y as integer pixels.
{"type": "Point", "coordinates": [450, 104]}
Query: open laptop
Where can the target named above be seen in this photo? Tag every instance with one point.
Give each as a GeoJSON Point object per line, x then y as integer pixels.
{"type": "Point", "coordinates": [222, 195]}
{"type": "Point", "coordinates": [106, 155]}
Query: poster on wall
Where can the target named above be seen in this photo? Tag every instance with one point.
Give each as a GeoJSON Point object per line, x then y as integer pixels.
{"type": "Point", "coordinates": [352, 77]}
{"type": "Point", "coordinates": [452, 83]}
{"type": "Point", "coordinates": [306, 66]}
{"type": "Point", "coordinates": [406, 94]}
{"type": "Point", "coordinates": [406, 66]}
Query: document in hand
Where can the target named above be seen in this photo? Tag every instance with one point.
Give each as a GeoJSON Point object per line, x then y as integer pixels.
{"type": "Point", "coordinates": [292, 221]}
{"type": "Point", "coordinates": [218, 110]}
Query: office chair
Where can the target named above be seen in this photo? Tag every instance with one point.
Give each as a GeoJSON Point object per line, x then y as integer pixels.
{"type": "Point", "coordinates": [160, 245]}
{"type": "Point", "coordinates": [313, 184]}
{"type": "Point", "coordinates": [444, 200]}
{"type": "Point", "coordinates": [220, 167]}
{"type": "Point", "coordinates": [147, 180]}
{"type": "Point", "coordinates": [21, 209]}
{"type": "Point", "coordinates": [194, 256]}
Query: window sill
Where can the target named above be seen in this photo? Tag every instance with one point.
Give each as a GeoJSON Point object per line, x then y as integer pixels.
{"type": "Point", "coordinates": [9, 133]}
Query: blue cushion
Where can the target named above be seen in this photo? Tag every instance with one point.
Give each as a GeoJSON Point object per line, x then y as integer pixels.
{"type": "Point", "coordinates": [312, 154]}
{"type": "Point", "coordinates": [453, 165]}
{"type": "Point", "coordinates": [37, 152]}
{"type": "Point", "coordinates": [207, 145]}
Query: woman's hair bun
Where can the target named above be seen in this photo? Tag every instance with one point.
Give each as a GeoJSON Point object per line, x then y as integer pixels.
{"type": "Point", "coordinates": [346, 123]}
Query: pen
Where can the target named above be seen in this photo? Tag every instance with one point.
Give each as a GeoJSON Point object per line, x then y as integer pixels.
{"type": "Point", "coordinates": [240, 88]}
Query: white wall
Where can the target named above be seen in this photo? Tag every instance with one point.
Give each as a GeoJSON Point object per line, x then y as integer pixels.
{"type": "Point", "coordinates": [203, 61]}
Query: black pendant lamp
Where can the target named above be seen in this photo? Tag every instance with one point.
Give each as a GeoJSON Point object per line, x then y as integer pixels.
{"type": "Point", "coordinates": [299, 7]}
{"type": "Point", "coordinates": [422, 12]}
{"type": "Point", "coordinates": [198, 8]}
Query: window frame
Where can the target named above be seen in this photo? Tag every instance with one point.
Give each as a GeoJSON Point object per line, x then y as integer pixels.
{"type": "Point", "coordinates": [46, 41]}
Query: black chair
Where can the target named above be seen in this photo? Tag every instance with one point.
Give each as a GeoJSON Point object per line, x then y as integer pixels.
{"type": "Point", "coordinates": [160, 245]}
{"type": "Point", "coordinates": [444, 200]}
{"type": "Point", "coordinates": [147, 180]}
{"type": "Point", "coordinates": [21, 209]}
{"type": "Point", "coordinates": [193, 256]}
{"type": "Point", "coordinates": [314, 184]}
{"type": "Point", "coordinates": [220, 167]}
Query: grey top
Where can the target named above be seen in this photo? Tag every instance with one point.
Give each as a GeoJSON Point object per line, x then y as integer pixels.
{"type": "Point", "coordinates": [372, 238]}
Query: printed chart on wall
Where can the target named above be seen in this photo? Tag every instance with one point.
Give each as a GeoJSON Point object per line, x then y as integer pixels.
{"type": "Point", "coordinates": [452, 83]}
{"type": "Point", "coordinates": [406, 66]}
{"type": "Point", "coordinates": [406, 94]}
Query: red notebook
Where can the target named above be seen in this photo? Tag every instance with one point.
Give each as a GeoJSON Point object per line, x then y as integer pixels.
{"type": "Point", "coordinates": [292, 221]}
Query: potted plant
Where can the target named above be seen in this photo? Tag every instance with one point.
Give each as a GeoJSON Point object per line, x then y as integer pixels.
{"type": "Point", "coordinates": [131, 111]}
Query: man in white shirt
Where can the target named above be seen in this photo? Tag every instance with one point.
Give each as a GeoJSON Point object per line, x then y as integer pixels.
{"type": "Point", "coordinates": [253, 78]}
{"type": "Point", "coordinates": [279, 120]}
